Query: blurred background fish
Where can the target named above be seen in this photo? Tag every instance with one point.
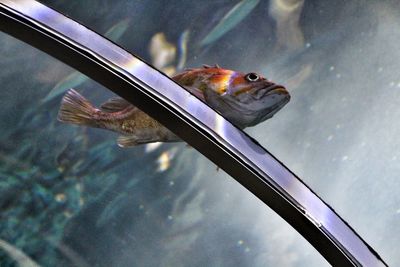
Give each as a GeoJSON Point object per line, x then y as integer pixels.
{"type": "Point", "coordinates": [286, 14]}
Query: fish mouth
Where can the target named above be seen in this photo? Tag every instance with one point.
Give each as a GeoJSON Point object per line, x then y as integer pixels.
{"type": "Point", "coordinates": [269, 90]}
{"type": "Point", "coordinates": [276, 88]}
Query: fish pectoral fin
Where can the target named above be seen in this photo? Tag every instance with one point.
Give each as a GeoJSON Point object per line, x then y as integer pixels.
{"type": "Point", "coordinates": [115, 104]}
{"type": "Point", "coordinates": [134, 140]}
{"type": "Point", "coordinates": [127, 140]}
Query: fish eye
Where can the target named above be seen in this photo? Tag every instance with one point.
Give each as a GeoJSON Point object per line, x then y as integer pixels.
{"type": "Point", "coordinates": [252, 77]}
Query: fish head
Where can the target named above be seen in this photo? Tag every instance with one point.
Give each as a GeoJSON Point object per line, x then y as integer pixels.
{"type": "Point", "coordinates": [245, 99]}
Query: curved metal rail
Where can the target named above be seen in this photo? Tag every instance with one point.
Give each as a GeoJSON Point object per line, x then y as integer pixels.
{"type": "Point", "coordinates": [230, 148]}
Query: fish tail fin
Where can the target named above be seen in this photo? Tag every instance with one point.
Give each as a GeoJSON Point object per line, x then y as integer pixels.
{"type": "Point", "coordinates": [76, 109]}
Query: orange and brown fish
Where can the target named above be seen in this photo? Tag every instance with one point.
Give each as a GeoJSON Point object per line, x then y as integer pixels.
{"type": "Point", "coordinates": [243, 99]}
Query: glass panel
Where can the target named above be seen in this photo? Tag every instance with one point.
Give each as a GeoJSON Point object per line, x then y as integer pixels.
{"type": "Point", "coordinates": [69, 196]}
{"type": "Point", "coordinates": [337, 59]}
{"type": "Point", "coordinates": [339, 133]}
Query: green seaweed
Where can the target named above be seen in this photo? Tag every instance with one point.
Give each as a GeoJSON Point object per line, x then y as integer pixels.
{"type": "Point", "coordinates": [230, 20]}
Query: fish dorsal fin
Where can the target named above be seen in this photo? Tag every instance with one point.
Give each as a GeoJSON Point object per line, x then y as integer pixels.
{"type": "Point", "coordinates": [115, 104]}
{"type": "Point", "coordinates": [210, 67]}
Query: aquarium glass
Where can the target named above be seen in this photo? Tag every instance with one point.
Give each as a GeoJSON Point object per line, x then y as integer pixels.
{"type": "Point", "coordinates": [338, 59]}
{"type": "Point", "coordinates": [69, 196]}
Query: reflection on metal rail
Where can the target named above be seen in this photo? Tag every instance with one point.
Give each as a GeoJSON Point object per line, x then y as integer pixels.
{"type": "Point", "coordinates": [231, 149]}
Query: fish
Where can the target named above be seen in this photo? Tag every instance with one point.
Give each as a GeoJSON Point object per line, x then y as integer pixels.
{"type": "Point", "coordinates": [162, 52]}
{"type": "Point", "coordinates": [286, 14]}
{"type": "Point", "coordinates": [245, 99]}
